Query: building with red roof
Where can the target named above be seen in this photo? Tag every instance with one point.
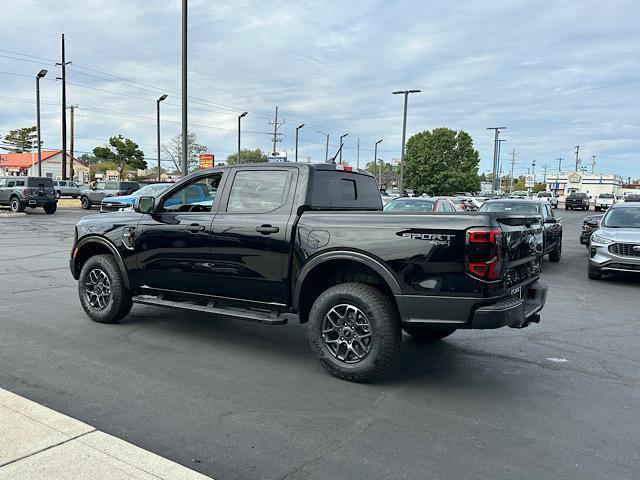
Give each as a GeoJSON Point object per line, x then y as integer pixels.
{"type": "Point", "coordinates": [27, 164]}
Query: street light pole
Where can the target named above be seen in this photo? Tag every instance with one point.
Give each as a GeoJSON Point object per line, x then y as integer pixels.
{"type": "Point", "coordinates": [163, 97]}
{"type": "Point", "coordinates": [495, 154]}
{"type": "Point", "coordinates": [341, 137]}
{"type": "Point", "coordinates": [243, 114]}
{"type": "Point", "coordinates": [404, 133]}
{"type": "Point", "coordinates": [184, 89]}
{"type": "Point", "coordinates": [326, 149]}
{"type": "Point", "coordinates": [297, 129]}
{"type": "Point", "coordinates": [375, 160]}
{"type": "Point", "coordinates": [40, 74]}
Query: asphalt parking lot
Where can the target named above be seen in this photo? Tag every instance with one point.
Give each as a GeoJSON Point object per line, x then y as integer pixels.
{"type": "Point", "coordinates": [235, 400]}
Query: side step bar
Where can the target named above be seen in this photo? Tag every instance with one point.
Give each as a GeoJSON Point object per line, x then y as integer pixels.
{"type": "Point", "coordinates": [272, 317]}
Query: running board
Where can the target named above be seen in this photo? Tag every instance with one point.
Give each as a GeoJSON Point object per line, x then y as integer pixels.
{"type": "Point", "coordinates": [272, 317]}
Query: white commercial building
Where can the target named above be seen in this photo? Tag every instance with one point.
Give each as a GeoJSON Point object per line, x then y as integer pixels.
{"type": "Point", "coordinates": [593, 184]}
{"type": "Point", "coordinates": [27, 164]}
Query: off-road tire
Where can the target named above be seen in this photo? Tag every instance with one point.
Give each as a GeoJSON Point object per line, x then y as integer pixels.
{"type": "Point", "coordinates": [85, 202]}
{"type": "Point", "coordinates": [428, 333]}
{"type": "Point", "coordinates": [16, 205]}
{"type": "Point", "coordinates": [594, 273]}
{"type": "Point", "coordinates": [556, 253]}
{"type": "Point", "coordinates": [384, 325]}
{"type": "Point", "coordinates": [119, 303]}
{"type": "Point", "coordinates": [50, 208]}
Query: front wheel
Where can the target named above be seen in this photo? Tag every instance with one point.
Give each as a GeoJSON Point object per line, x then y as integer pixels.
{"type": "Point", "coordinates": [85, 203]}
{"type": "Point", "coordinates": [354, 331]}
{"type": "Point", "coordinates": [428, 333]}
{"type": "Point", "coordinates": [102, 291]}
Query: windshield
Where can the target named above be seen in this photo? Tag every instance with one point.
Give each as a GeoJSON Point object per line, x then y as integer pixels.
{"type": "Point", "coordinates": [509, 207]}
{"type": "Point", "coordinates": [628, 217]}
{"type": "Point", "coordinates": [544, 194]}
{"type": "Point", "coordinates": [605, 195]}
{"type": "Point", "coordinates": [152, 190]}
{"type": "Point", "coordinates": [409, 206]}
{"type": "Point", "coordinates": [519, 193]}
{"type": "Point", "coordinates": [577, 195]}
{"type": "Point", "coordinates": [39, 182]}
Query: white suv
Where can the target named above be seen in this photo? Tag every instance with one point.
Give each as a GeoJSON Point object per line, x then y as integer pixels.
{"type": "Point", "coordinates": [604, 201]}
{"type": "Point", "coordinates": [549, 197]}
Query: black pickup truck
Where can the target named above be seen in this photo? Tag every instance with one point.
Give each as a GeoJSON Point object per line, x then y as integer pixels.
{"type": "Point", "coordinates": [273, 242]}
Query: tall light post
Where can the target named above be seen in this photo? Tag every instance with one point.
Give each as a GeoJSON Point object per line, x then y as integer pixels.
{"type": "Point", "coordinates": [404, 133]}
{"type": "Point", "coordinates": [163, 97]}
{"type": "Point", "coordinates": [375, 160]}
{"type": "Point", "coordinates": [184, 90]}
{"type": "Point", "coordinates": [496, 143]}
{"type": "Point", "coordinates": [341, 137]}
{"type": "Point", "coordinates": [40, 74]}
{"type": "Point", "coordinates": [243, 114]}
{"type": "Point", "coordinates": [499, 164]}
{"type": "Point", "coordinates": [326, 148]}
{"type": "Point", "coordinates": [297, 130]}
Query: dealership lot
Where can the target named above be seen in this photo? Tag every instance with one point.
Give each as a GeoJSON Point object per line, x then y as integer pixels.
{"type": "Point", "coordinates": [234, 400]}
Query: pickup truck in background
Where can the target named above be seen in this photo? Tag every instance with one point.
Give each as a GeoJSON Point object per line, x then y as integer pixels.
{"type": "Point", "coordinates": [275, 242]}
{"type": "Point", "coordinates": [604, 201]}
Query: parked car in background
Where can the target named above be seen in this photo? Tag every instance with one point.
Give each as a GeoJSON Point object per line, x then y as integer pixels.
{"type": "Point", "coordinates": [576, 201]}
{"type": "Point", "coordinates": [615, 245]}
{"type": "Point", "coordinates": [520, 194]}
{"type": "Point", "coordinates": [420, 204]}
{"type": "Point", "coordinates": [632, 197]}
{"type": "Point", "coordinates": [104, 189]}
{"type": "Point", "coordinates": [28, 192]}
{"type": "Point", "coordinates": [66, 188]}
{"type": "Point", "coordinates": [604, 201]}
{"type": "Point", "coordinates": [549, 197]}
{"type": "Point", "coordinates": [125, 202]}
{"type": "Point", "coordinates": [467, 204]}
{"type": "Point", "coordinates": [551, 225]}
{"type": "Point", "coordinates": [589, 224]}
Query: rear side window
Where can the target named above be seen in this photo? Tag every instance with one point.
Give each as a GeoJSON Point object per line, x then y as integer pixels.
{"type": "Point", "coordinates": [111, 186]}
{"type": "Point", "coordinates": [336, 189]}
{"type": "Point", "coordinates": [258, 191]}
{"type": "Point", "coordinates": [19, 183]}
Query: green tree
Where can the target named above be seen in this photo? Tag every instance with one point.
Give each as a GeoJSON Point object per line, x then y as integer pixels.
{"type": "Point", "coordinates": [20, 140]}
{"type": "Point", "coordinates": [247, 156]}
{"type": "Point", "coordinates": [539, 187]}
{"type": "Point", "coordinates": [442, 162]}
{"type": "Point", "coordinates": [386, 173]}
{"type": "Point", "coordinates": [123, 152]}
{"type": "Point", "coordinates": [173, 148]}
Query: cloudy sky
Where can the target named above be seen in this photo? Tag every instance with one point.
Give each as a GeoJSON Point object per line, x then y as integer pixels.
{"type": "Point", "coordinates": [557, 74]}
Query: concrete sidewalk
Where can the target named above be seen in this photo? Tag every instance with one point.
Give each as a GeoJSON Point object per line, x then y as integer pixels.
{"type": "Point", "coordinates": [38, 443]}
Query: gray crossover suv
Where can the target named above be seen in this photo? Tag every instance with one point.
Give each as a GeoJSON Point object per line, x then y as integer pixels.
{"type": "Point", "coordinates": [102, 189]}
{"type": "Point", "coordinates": [22, 192]}
{"type": "Point", "coordinates": [615, 245]}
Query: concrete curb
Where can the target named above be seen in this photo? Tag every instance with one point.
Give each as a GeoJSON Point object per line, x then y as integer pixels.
{"type": "Point", "coordinates": [39, 443]}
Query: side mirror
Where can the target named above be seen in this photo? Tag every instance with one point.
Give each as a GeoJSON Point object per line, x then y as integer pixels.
{"type": "Point", "coordinates": [144, 204]}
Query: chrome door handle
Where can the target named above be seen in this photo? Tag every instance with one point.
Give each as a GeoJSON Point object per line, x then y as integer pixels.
{"type": "Point", "coordinates": [195, 228]}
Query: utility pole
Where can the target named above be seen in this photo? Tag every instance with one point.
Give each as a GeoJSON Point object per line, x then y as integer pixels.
{"type": "Point", "coordinates": [297, 130]}
{"type": "Point", "coordinates": [495, 154]}
{"type": "Point", "coordinates": [276, 126]}
{"type": "Point", "coordinates": [404, 134]}
{"type": "Point", "coordinates": [63, 64]}
{"type": "Point", "coordinates": [71, 138]}
{"type": "Point", "coordinates": [593, 164]}
{"type": "Point", "coordinates": [533, 170]}
{"type": "Point", "coordinates": [358, 154]}
{"type": "Point", "coordinates": [341, 145]}
{"type": "Point", "coordinates": [577, 158]}
{"type": "Point", "coordinates": [185, 134]}
{"type": "Point", "coordinates": [544, 179]}
{"type": "Point", "coordinates": [513, 161]}
{"type": "Point", "coordinates": [559, 164]}
{"type": "Point", "coordinates": [500, 164]}
{"type": "Point", "coordinates": [326, 148]}
{"type": "Point", "coordinates": [239, 120]}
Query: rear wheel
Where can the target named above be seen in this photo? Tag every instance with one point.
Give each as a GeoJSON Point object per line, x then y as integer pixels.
{"type": "Point", "coordinates": [597, 208]}
{"type": "Point", "coordinates": [85, 202]}
{"type": "Point", "coordinates": [594, 273]}
{"type": "Point", "coordinates": [354, 331]}
{"type": "Point", "coordinates": [428, 333]}
{"type": "Point", "coordinates": [50, 208]}
{"type": "Point", "coordinates": [102, 291]}
{"type": "Point", "coordinates": [16, 205]}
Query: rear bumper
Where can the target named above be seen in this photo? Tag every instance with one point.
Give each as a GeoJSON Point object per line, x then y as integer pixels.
{"type": "Point", "coordinates": [474, 312]}
{"type": "Point", "coordinates": [38, 202]}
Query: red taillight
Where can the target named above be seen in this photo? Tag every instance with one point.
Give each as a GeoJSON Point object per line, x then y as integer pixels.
{"type": "Point", "coordinates": [25, 192]}
{"type": "Point", "coordinates": [484, 257]}
{"type": "Point", "coordinates": [344, 168]}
